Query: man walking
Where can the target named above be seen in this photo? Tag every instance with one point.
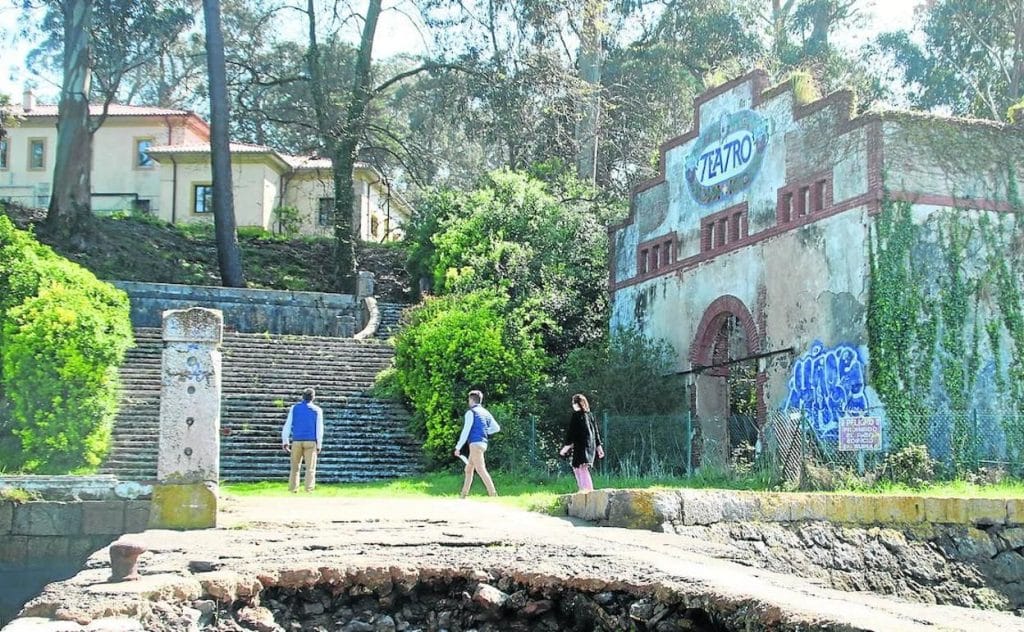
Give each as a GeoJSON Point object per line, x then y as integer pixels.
{"type": "Point", "coordinates": [477, 424]}
{"type": "Point", "coordinates": [304, 432]}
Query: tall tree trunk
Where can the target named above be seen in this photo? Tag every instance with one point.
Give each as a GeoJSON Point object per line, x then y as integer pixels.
{"type": "Point", "coordinates": [70, 212]}
{"type": "Point", "coordinates": [346, 217]}
{"type": "Point", "coordinates": [229, 255]}
{"type": "Point", "coordinates": [590, 104]}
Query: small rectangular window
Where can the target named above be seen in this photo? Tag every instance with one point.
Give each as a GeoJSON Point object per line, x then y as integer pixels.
{"type": "Point", "coordinates": [325, 211]}
{"type": "Point", "coordinates": [707, 236]}
{"type": "Point", "coordinates": [643, 261]}
{"type": "Point", "coordinates": [202, 201]}
{"type": "Point", "coordinates": [655, 257]}
{"type": "Point", "coordinates": [142, 159]}
{"type": "Point", "coordinates": [786, 207]}
{"type": "Point", "coordinates": [818, 196]}
{"type": "Point", "coordinates": [5, 152]}
{"type": "Point", "coordinates": [802, 199]}
{"type": "Point", "coordinates": [36, 154]}
{"type": "Point", "coordinates": [720, 233]}
{"type": "Point", "coordinates": [666, 252]}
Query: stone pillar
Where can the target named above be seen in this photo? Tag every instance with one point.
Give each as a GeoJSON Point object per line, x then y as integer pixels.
{"type": "Point", "coordinates": [188, 465]}
{"type": "Point", "coordinates": [364, 284]}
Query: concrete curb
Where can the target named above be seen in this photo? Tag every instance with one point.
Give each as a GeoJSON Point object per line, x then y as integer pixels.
{"type": "Point", "coordinates": [653, 509]}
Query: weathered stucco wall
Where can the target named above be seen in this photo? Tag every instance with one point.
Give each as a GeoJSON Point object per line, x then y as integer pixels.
{"type": "Point", "coordinates": [784, 243]}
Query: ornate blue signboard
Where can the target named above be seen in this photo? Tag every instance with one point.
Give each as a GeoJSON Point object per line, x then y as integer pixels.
{"type": "Point", "coordinates": [726, 157]}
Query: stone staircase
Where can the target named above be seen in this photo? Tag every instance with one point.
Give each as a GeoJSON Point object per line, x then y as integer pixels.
{"type": "Point", "coordinates": [390, 318]}
{"type": "Point", "coordinates": [365, 438]}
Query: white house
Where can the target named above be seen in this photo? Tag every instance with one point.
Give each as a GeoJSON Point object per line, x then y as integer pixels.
{"type": "Point", "coordinates": [157, 160]}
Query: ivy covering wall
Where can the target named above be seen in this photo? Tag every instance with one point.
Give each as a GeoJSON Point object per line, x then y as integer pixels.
{"type": "Point", "coordinates": [944, 306]}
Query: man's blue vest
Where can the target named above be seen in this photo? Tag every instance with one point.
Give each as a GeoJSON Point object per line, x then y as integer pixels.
{"type": "Point", "coordinates": [303, 422]}
{"type": "Point", "coordinates": [481, 419]}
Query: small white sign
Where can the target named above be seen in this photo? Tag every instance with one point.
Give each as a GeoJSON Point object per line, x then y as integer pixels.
{"type": "Point", "coordinates": [860, 433]}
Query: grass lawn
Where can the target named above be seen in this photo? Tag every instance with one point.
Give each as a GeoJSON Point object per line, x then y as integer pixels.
{"type": "Point", "coordinates": [540, 493]}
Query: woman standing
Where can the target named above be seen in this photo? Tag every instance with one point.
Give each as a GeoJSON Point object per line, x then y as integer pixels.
{"type": "Point", "coordinates": [583, 439]}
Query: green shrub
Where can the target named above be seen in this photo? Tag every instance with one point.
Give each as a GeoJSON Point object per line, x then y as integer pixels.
{"type": "Point", "coordinates": [62, 335]}
{"type": "Point", "coordinates": [288, 220]}
{"type": "Point", "coordinates": [910, 466]}
{"type": "Point", "coordinates": [458, 343]}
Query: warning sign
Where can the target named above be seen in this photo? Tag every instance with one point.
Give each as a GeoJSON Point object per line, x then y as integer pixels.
{"type": "Point", "coordinates": [860, 433]}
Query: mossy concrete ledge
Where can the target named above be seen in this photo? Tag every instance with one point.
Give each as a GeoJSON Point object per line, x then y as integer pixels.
{"type": "Point", "coordinates": [184, 506]}
{"type": "Point", "coordinates": [659, 509]}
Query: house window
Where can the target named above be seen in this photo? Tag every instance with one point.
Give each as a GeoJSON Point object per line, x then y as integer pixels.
{"type": "Point", "coordinates": [325, 211]}
{"type": "Point", "coordinates": [5, 151]}
{"type": "Point", "coordinates": [36, 154]}
{"type": "Point", "coordinates": [202, 198]}
{"type": "Point", "coordinates": [142, 158]}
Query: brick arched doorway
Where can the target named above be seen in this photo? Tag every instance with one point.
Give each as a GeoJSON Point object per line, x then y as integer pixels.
{"type": "Point", "coordinates": [728, 379]}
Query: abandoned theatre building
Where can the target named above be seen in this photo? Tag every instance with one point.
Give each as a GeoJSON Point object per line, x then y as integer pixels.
{"type": "Point", "coordinates": [799, 257]}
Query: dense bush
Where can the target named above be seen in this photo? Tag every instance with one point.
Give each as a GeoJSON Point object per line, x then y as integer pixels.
{"type": "Point", "coordinates": [457, 343]}
{"type": "Point", "coordinates": [910, 466]}
{"type": "Point", "coordinates": [62, 335]}
{"type": "Point", "coordinates": [544, 246]}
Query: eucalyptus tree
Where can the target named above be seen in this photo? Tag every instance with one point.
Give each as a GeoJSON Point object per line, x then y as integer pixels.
{"type": "Point", "coordinates": [969, 58]}
{"type": "Point", "coordinates": [95, 44]}
{"type": "Point", "coordinates": [229, 254]}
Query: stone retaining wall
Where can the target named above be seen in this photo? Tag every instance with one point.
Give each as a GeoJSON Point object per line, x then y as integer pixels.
{"type": "Point", "coordinates": [67, 518]}
{"type": "Point", "coordinates": [662, 510]}
{"type": "Point", "coordinates": [72, 517]}
{"type": "Point", "coordinates": [249, 310]}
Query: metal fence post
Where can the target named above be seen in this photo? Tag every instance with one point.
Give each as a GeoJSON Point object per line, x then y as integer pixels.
{"type": "Point", "coordinates": [803, 453]}
{"type": "Point", "coordinates": [688, 447]}
{"type": "Point", "coordinates": [604, 440]}
{"type": "Point", "coordinates": [533, 441]}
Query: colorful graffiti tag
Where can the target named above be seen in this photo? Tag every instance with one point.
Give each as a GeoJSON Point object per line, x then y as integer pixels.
{"type": "Point", "coordinates": [828, 384]}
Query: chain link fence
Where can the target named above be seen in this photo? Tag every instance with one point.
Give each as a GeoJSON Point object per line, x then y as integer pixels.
{"type": "Point", "coordinates": [796, 450]}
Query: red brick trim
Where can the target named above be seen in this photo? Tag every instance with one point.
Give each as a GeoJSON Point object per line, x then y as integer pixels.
{"type": "Point", "coordinates": [723, 228]}
{"type": "Point", "coordinates": [954, 202]}
{"type": "Point", "coordinates": [707, 331]}
{"type": "Point", "coordinates": [809, 196]}
{"type": "Point", "coordinates": [655, 255]}
{"type": "Point", "coordinates": [711, 322]}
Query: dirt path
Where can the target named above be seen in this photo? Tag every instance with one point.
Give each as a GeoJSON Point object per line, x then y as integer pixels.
{"type": "Point", "coordinates": [305, 534]}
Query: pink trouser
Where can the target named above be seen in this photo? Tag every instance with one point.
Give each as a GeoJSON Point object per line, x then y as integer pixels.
{"type": "Point", "coordinates": [583, 480]}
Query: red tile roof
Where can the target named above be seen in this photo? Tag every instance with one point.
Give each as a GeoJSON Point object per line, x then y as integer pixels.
{"type": "Point", "coordinates": [114, 109]}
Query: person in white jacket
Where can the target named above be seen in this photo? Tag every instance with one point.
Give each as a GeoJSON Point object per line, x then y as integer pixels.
{"type": "Point", "coordinates": [477, 424]}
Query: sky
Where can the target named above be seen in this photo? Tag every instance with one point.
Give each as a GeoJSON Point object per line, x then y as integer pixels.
{"type": "Point", "coordinates": [396, 34]}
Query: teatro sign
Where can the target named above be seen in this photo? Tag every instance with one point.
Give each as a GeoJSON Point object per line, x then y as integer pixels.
{"type": "Point", "coordinates": [726, 158]}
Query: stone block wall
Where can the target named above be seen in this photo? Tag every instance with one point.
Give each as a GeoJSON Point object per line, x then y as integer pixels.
{"type": "Point", "coordinates": [663, 509]}
{"type": "Point", "coordinates": [249, 310]}
{"type": "Point", "coordinates": [68, 518]}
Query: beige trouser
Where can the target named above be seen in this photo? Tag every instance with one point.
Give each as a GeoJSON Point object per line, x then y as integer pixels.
{"type": "Point", "coordinates": [477, 464]}
{"type": "Point", "coordinates": [303, 451]}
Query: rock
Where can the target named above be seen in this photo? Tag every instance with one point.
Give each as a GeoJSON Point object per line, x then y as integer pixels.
{"type": "Point", "coordinates": [604, 598]}
{"type": "Point", "coordinates": [357, 626]}
{"type": "Point", "coordinates": [537, 608]}
{"type": "Point", "coordinates": [312, 609]}
{"type": "Point", "coordinates": [384, 624]}
{"type": "Point", "coordinates": [258, 618]}
{"type": "Point", "coordinates": [641, 610]}
{"type": "Point", "coordinates": [489, 597]}
{"type": "Point", "coordinates": [1014, 538]}
{"type": "Point", "coordinates": [203, 566]}
{"type": "Point", "coordinates": [1009, 567]}
{"type": "Point", "coordinates": [517, 600]}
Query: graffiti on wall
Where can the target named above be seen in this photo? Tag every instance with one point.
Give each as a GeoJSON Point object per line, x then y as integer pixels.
{"type": "Point", "coordinates": [827, 384]}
